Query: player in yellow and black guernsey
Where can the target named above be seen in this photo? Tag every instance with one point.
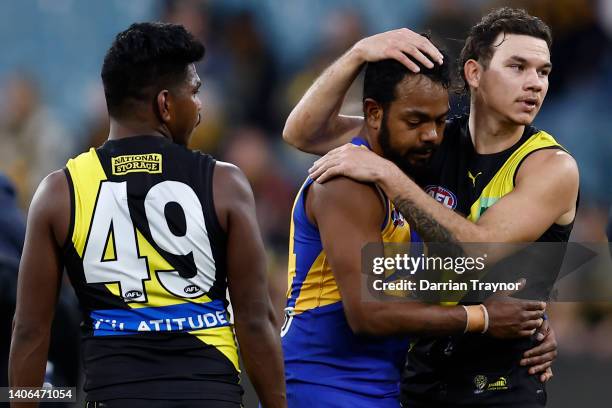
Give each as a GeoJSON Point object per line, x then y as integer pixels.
{"type": "Point", "coordinates": [148, 250]}
{"type": "Point", "coordinates": [506, 181]}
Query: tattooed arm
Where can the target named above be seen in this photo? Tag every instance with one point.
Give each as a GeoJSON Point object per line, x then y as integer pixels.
{"type": "Point", "coordinates": [428, 228]}
{"type": "Point", "coordinates": [545, 192]}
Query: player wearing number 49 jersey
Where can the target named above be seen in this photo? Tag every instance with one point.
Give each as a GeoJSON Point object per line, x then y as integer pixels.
{"type": "Point", "coordinates": [152, 236]}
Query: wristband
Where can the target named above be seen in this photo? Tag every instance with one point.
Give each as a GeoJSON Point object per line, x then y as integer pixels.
{"type": "Point", "coordinates": [476, 319]}
{"type": "Point", "coordinates": [486, 318]}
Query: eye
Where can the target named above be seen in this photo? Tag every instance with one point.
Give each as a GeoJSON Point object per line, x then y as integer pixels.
{"type": "Point", "coordinates": [544, 72]}
{"type": "Point", "coordinates": [516, 67]}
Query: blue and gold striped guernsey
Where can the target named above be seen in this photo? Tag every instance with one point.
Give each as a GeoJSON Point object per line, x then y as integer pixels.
{"type": "Point", "coordinates": [322, 355]}
{"type": "Point", "coordinates": [146, 256]}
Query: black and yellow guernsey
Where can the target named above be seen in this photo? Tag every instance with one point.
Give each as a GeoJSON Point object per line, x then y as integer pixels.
{"type": "Point", "coordinates": [477, 370]}
{"type": "Point", "coordinates": [147, 258]}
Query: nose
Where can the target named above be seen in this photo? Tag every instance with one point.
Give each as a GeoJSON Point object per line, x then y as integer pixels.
{"type": "Point", "coordinates": [534, 81]}
{"type": "Point", "coordinates": [429, 133]}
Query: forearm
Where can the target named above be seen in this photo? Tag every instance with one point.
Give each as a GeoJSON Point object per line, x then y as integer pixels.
{"type": "Point", "coordinates": [310, 122]}
{"type": "Point", "coordinates": [28, 357]}
{"type": "Point", "coordinates": [387, 319]}
{"type": "Point", "coordinates": [433, 222]}
{"type": "Point", "coordinates": [262, 356]}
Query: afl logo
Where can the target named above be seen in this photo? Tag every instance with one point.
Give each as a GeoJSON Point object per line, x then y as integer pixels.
{"type": "Point", "coordinates": [132, 294]}
{"type": "Point", "coordinates": [192, 289]}
{"type": "Point", "coordinates": [397, 218]}
{"type": "Point", "coordinates": [443, 196]}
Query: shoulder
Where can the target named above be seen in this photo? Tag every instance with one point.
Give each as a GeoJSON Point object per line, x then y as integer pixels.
{"type": "Point", "coordinates": [555, 162]}
{"type": "Point", "coordinates": [54, 187]}
{"type": "Point", "coordinates": [232, 193]}
{"type": "Point", "coordinates": [345, 194]}
{"type": "Point", "coordinates": [552, 170]}
{"type": "Point", "coordinates": [51, 204]}
{"type": "Point", "coordinates": [231, 180]}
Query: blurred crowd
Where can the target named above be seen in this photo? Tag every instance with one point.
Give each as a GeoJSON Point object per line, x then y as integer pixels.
{"type": "Point", "coordinates": [261, 57]}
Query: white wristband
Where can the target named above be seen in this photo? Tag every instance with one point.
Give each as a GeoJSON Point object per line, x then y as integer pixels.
{"type": "Point", "coordinates": [467, 319]}
{"type": "Point", "coordinates": [486, 318]}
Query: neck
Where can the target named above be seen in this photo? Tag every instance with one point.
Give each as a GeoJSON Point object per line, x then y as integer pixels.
{"type": "Point", "coordinates": [126, 128]}
{"type": "Point", "coordinates": [490, 133]}
{"type": "Point", "coordinates": [372, 140]}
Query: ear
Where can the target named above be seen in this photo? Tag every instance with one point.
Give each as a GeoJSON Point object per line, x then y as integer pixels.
{"type": "Point", "coordinates": [373, 112]}
{"type": "Point", "coordinates": [472, 71]}
{"type": "Point", "coordinates": [164, 106]}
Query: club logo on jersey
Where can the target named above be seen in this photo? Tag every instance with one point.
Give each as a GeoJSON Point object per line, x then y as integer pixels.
{"type": "Point", "coordinates": [397, 218]}
{"type": "Point", "coordinates": [482, 384]}
{"type": "Point", "coordinates": [133, 163]}
{"type": "Point", "coordinates": [480, 381]}
{"type": "Point", "coordinates": [443, 196]}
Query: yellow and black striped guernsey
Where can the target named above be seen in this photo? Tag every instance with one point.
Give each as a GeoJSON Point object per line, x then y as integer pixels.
{"type": "Point", "coordinates": [477, 370]}
{"type": "Point", "coordinates": [146, 256]}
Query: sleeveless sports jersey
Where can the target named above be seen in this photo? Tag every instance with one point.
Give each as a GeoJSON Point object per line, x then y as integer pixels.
{"type": "Point", "coordinates": [324, 359]}
{"type": "Point", "coordinates": [473, 369]}
{"type": "Point", "coordinates": [146, 256]}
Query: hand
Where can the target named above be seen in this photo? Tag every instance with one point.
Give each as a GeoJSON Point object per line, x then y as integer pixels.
{"type": "Point", "coordinates": [512, 318]}
{"type": "Point", "coordinates": [540, 358]}
{"type": "Point", "coordinates": [349, 160]}
{"type": "Point", "coordinates": [397, 44]}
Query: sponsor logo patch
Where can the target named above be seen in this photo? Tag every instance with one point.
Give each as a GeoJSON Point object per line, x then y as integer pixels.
{"type": "Point", "coordinates": [137, 163]}
{"type": "Point", "coordinates": [482, 384]}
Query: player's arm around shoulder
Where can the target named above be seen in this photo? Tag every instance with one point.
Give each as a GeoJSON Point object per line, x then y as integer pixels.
{"type": "Point", "coordinates": [545, 193]}
{"type": "Point", "coordinates": [39, 280]}
{"type": "Point", "coordinates": [348, 215]}
{"type": "Point", "coordinates": [254, 317]}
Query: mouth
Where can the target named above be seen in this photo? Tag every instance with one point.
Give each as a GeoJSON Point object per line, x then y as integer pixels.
{"type": "Point", "coordinates": [422, 154]}
{"type": "Point", "coordinates": [529, 104]}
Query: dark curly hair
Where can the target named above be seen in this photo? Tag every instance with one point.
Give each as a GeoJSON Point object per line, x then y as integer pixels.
{"type": "Point", "coordinates": [479, 43]}
{"type": "Point", "coordinates": [144, 59]}
{"type": "Point", "coordinates": [381, 77]}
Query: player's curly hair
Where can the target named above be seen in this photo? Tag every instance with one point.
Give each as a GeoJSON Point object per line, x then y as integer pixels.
{"type": "Point", "coordinates": [381, 77]}
{"type": "Point", "coordinates": [144, 59]}
{"type": "Point", "coordinates": [479, 43]}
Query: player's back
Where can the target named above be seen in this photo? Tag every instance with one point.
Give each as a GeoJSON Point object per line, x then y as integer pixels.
{"type": "Point", "coordinates": [146, 256]}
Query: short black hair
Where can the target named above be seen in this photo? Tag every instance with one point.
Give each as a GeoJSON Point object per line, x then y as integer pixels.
{"type": "Point", "coordinates": [381, 78]}
{"type": "Point", "coordinates": [144, 59]}
{"type": "Point", "coordinates": [479, 43]}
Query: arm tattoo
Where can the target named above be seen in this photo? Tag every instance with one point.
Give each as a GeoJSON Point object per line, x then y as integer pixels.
{"type": "Point", "coordinates": [430, 229]}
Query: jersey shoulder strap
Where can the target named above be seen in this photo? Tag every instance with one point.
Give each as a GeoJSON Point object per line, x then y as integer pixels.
{"type": "Point", "coordinates": [503, 181]}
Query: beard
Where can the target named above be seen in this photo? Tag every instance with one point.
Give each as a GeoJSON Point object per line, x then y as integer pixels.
{"type": "Point", "coordinates": [414, 168]}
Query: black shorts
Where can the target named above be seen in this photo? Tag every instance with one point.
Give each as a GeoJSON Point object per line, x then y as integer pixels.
{"type": "Point", "coordinates": [470, 371]}
{"type": "Point", "coordinates": [150, 403]}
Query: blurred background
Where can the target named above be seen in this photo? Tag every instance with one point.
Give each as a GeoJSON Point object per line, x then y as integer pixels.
{"type": "Point", "coordinates": [260, 58]}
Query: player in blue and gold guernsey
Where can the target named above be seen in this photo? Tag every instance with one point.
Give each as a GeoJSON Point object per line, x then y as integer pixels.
{"type": "Point", "coordinates": [341, 350]}
{"type": "Point", "coordinates": [148, 250]}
